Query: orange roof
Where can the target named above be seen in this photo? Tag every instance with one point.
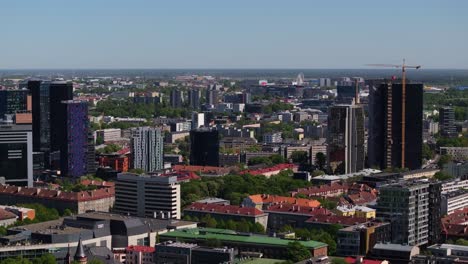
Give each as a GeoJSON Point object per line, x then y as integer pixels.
{"type": "Point", "coordinates": [276, 199]}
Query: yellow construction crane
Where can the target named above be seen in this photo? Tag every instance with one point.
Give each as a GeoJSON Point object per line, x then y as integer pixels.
{"type": "Point", "coordinates": [403, 68]}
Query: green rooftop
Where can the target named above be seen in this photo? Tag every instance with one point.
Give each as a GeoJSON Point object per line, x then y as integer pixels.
{"type": "Point", "coordinates": [229, 235]}
{"type": "Point", "coordinates": [261, 261]}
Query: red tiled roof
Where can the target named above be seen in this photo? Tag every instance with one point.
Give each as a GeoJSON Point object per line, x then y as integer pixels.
{"type": "Point", "coordinates": [4, 214]}
{"type": "Point", "coordinates": [352, 260]}
{"type": "Point", "coordinates": [183, 175]}
{"type": "Point", "coordinates": [337, 219]}
{"type": "Point", "coordinates": [204, 169]}
{"type": "Point", "coordinates": [145, 249]}
{"type": "Point", "coordinates": [224, 209]}
{"type": "Point", "coordinates": [267, 198]}
{"type": "Point", "coordinates": [296, 209]}
{"type": "Point", "coordinates": [362, 198]}
{"type": "Point", "coordinates": [98, 183]}
{"type": "Point", "coordinates": [456, 224]}
{"type": "Point", "coordinates": [278, 168]}
{"type": "Point", "coordinates": [322, 190]}
{"type": "Point", "coordinates": [57, 195]}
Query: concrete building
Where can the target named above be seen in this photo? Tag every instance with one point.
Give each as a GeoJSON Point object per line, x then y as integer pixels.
{"type": "Point", "coordinates": [198, 120]}
{"type": "Point", "coordinates": [139, 254]}
{"type": "Point", "coordinates": [346, 138]}
{"type": "Point", "coordinates": [358, 240]}
{"type": "Point", "coordinates": [406, 206]}
{"type": "Point", "coordinates": [447, 122]}
{"type": "Point", "coordinates": [456, 169]}
{"type": "Point", "coordinates": [454, 185]}
{"type": "Point", "coordinates": [109, 134]}
{"type": "Point", "coordinates": [176, 99]}
{"type": "Point", "coordinates": [453, 201]}
{"type": "Point", "coordinates": [272, 138]}
{"type": "Point", "coordinates": [457, 153]}
{"type": "Point", "coordinates": [147, 149]}
{"type": "Point", "coordinates": [147, 196]}
{"type": "Point", "coordinates": [189, 253]}
{"type": "Point", "coordinates": [394, 253]}
{"type": "Point", "coordinates": [16, 154]}
{"type": "Point", "coordinates": [194, 98]}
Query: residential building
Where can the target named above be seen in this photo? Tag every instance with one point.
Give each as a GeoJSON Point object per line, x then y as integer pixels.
{"type": "Point", "coordinates": [385, 146]}
{"type": "Point", "coordinates": [179, 252]}
{"type": "Point", "coordinates": [406, 206]}
{"type": "Point", "coordinates": [198, 120]}
{"type": "Point", "coordinates": [204, 147]}
{"type": "Point", "coordinates": [212, 97]}
{"type": "Point", "coordinates": [263, 201]}
{"type": "Point", "coordinates": [176, 99]}
{"type": "Point", "coordinates": [139, 254]}
{"type": "Point", "coordinates": [222, 212]}
{"type": "Point", "coordinates": [296, 216]}
{"type": "Point", "coordinates": [394, 253]}
{"type": "Point", "coordinates": [109, 134]}
{"type": "Point", "coordinates": [454, 201]}
{"type": "Point", "coordinates": [324, 82]}
{"type": "Point", "coordinates": [358, 240]}
{"type": "Point", "coordinates": [454, 185]}
{"type": "Point", "coordinates": [270, 247]}
{"type": "Point", "coordinates": [147, 148]}
{"type": "Point", "coordinates": [346, 138]}
{"type": "Point", "coordinates": [194, 98]}
{"type": "Point", "coordinates": [117, 162]}
{"type": "Point", "coordinates": [16, 154]}
{"type": "Point", "coordinates": [273, 170]}
{"type": "Point", "coordinates": [447, 122]}
{"type": "Point", "coordinates": [435, 200]}
{"type": "Point", "coordinates": [456, 169]}
{"type": "Point", "coordinates": [269, 138]}
{"type": "Point", "coordinates": [73, 116]}
{"type": "Point", "coordinates": [355, 210]}
{"type": "Point", "coordinates": [7, 218]}
{"type": "Point", "coordinates": [147, 196]}
{"type": "Point", "coordinates": [457, 153]}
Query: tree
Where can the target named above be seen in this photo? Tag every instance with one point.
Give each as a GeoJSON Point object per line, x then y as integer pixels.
{"type": "Point", "coordinates": [441, 176]}
{"type": "Point", "coordinates": [444, 159]}
{"type": "Point", "coordinates": [461, 242]}
{"type": "Point", "coordinates": [300, 157]}
{"type": "Point", "coordinates": [212, 242]}
{"type": "Point", "coordinates": [320, 160]}
{"type": "Point", "coordinates": [67, 212]}
{"type": "Point", "coordinates": [209, 221]}
{"type": "Point", "coordinates": [45, 259]}
{"type": "Point", "coordinates": [297, 252]}
{"type": "Point", "coordinates": [95, 261]}
{"type": "Point", "coordinates": [427, 153]}
{"type": "Point", "coordinates": [316, 173]}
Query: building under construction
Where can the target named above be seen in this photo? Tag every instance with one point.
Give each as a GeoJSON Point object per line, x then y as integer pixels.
{"type": "Point", "coordinates": [385, 125]}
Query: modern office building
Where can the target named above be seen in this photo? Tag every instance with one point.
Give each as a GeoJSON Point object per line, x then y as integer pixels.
{"type": "Point", "coordinates": [204, 147]}
{"type": "Point", "coordinates": [346, 92]}
{"type": "Point", "coordinates": [91, 154]}
{"type": "Point", "coordinates": [46, 105]}
{"type": "Point", "coordinates": [176, 98]}
{"type": "Point", "coordinates": [447, 122]}
{"type": "Point", "coordinates": [212, 97]}
{"type": "Point", "coordinates": [194, 99]}
{"type": "Point", "coordinates": [147, 148]}
{"type": "Point", "coordinates": [346, 138]}
{"type": "Point", "coordinates": [198, 120]}
{"type": "Point", "coordinates": [16, 158]}
{"type": "Point", "coordinates": [147, 195]}
{"type": "Point", "coordinates": [179, 252]}
{"type": "Point", "coordinates": [406, 206]}
{"type": "Point", "coordinates": [12, 101]}
{"type": "Point", "coordinates": [385, 125]}
{"type": "Point", "coordinates": [73, 117]}
{"type": "Point", "coordinates": [109, 134]}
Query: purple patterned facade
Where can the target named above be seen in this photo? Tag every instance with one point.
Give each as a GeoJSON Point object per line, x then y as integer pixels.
{"type": "Point", "coordinates": [74, 150]}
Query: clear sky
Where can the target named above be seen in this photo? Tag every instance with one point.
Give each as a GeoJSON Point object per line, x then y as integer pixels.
{"type": "Point", "coordinates": [232, 33]}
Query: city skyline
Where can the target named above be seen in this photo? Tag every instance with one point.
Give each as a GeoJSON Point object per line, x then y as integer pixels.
{"type": "Point", "coordinates": [263, 34]}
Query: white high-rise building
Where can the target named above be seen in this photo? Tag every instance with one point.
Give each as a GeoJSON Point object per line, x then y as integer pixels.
{"type": "Point", "coordinates": [198, 120]}
{"type": "Point", "coordinates": [147, 148]}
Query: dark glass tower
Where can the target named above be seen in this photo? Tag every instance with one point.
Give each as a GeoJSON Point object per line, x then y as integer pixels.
{"type": "Point", "coordinates": [12, 101]}
{"type": "Point", "coordinates": [346, 138]}
{"type": "Point", "coordinates": [385, 125]}
{"type": "Point", "coordinates": [73, 138]}
{"type": "Point", "coordinates": [204, 147]}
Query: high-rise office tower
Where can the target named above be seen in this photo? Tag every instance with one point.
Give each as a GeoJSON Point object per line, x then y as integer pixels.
{"type": "Point", "coordinates": [46, 104]}
{"type": "Point", "coordinates": [147, 148]}
{"type": "Point", "coordinates": [406, 206]}
{"type": "Point", "coordinates": [176, 98]}
{"type": "Point", "coordinates": [346, 138]}
{"type": "Point", "coordinates": [147, 196]}
{"type": "Point", "coordinates": [16, 158]}
{"type": "Point", "coordinates": [447, 122]}
{"type": "Point", "coordinates": [194, 98]}
{"type": "Point", "coordinates": [212, 97]}
{"type": "Point", "coordinates": [385, 125]}
{"type": "Point", "coordinates": [204, 147]}
{"type": "Point", "coordinates": [91, 154]}
{"type": "Point", "coordinates": [198, 120]}
{"type": "Point", "coordinates": [12, 101]}
{"type": "Point", "coordinates": [73, 140]}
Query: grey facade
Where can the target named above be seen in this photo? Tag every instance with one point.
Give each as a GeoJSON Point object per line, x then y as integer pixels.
{"type": "Point", "coordinates": [176, 98]}
{"type": "Point", "coordinates": [147, 196]}
{"type": "Point", "coordinates": [194, 99]}
{"type": "Point", "coordinates": [147, 148]}
{"type": "Point", "coordinates": [346, 138]}
{"type": "Point", "coordinates": [406, 206]}
{"type": "Point", "coordinates": [447, 122]}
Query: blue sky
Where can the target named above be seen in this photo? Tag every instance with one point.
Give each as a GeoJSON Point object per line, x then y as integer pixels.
{"type": "Point", "coordinates": [232, 34]}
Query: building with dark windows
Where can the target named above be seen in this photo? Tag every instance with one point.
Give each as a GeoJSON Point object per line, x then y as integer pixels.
{"type": "Point", "coordinates": [74, 138]}
{"type": "Point", "coordinates": [346, 138]}
{"type": "Point", "coordinates": [204, 147]}
{"type": "Point", "coordinates": [12, 101]}
{"type": "Point", "coordinates": [406, 206]}
{"type": "Point", "coordinates": [447, 122]}
{"type": "Point", "coordinates": [194, 98]}
{"type": "Point", "coordinates": [16, 158]}
{"type": "Point", "coordinates": [147, 148]}
{"type": "Point", "coordinates": [385, 125]}
{"type": "Point", "coordinates": [346, 92]}
{"type": "Point", "coordinates": [46, 106]}
{"type": "Point", "coordinates": [176, 98]}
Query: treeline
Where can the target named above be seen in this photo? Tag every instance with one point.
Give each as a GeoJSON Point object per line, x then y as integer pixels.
{"type": "Point", "coordinates": [240, 226]}
{"type": "Point", "coordinates": [236, 187]}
